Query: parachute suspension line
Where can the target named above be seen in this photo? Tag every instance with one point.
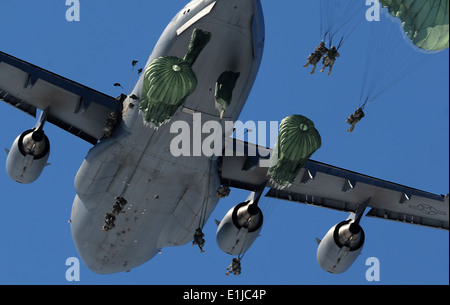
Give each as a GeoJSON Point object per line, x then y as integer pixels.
{"type": "Point", "coordinates": [325, 17]}
{"type": "Point", "coordinates": [390, 58]}
{"type": "Point", "coordinates": [241, 255]}
{"type": "Point", "coordinates": [198, 235]}
{"type": "Point", "coordinates": [204, 209]}
{"type": "Point", "coordinates": [381, 59]}
{"type": "Point", "coordinates": [350, 28]}
{"type": "Point", "coordinates": [345, 37]}
{"type": "Point", "coordinates": [339, 16]}
{"type": "Point", "coordinates": [367, 77]}
{"type": "Point", "coordinates": [341, 42]}
{"type": "Point", "coordinates": [322, 21]}
{"type": "Point", "coordinates": [325, 36]}
{"type": "Point", "coordinates": [409, 68]}
{"type": "Point", "coordinates": [365, 103]}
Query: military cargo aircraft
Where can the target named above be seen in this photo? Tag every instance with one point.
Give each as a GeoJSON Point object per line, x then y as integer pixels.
{"type": "Point", "coordinates": [135, 197]}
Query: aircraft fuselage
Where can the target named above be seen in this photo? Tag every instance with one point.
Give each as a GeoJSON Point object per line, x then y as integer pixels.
{"type": "Point", "coordinates": [165, 197]}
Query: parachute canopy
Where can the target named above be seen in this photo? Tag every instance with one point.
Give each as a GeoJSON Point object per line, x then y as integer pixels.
{"type": "Point", "coordinates": [424, 21]}
{"type": "Point", "coordinates": [224, 90]}
{"type": "Point", "coordinates": [297, 140]}
{"type": "Point", "coordinates": [168, 80]}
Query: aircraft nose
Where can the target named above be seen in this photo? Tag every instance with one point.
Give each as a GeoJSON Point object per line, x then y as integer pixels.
{"type": "Point", "coordinates": [242, 5]}
{"type": "Point", "coordinates": [239, 10]}
{"type": "Point", "coordinates": [240, 13]}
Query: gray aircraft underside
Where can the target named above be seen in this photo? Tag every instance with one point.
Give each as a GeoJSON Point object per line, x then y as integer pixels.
{"type": "Point", "coordinates": [165, 193]}
{"type": "Point", "coordinates": [166, 198]}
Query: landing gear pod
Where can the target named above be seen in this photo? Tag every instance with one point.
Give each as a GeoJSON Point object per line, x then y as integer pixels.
{"type": "Point", "coordinates": [28, 156]}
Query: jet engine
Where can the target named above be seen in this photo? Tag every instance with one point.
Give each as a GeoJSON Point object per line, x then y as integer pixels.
{"type": "Point", "coordinates": [341, 246]}
{"type": "Point", "coordinates": [239, 228]}
{"type": "Point", "coordinates": [28, 156]}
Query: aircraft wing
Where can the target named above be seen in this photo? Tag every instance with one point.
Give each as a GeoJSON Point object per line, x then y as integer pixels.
{"type": "Point", "coordinates": [73, 107]}
{"type": "Point", "coordinates": [324, 185]}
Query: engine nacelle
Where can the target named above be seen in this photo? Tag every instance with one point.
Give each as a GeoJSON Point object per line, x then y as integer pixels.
{"type": "Point", "coordinates": [239, 228]}
{"type": "Point", "coordinates": [28, 156]}
{"type": "Point", "coordinates": [340, 247]}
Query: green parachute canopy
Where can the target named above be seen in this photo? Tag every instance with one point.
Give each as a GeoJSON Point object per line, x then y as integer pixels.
{"type": "Point", "coordinates": [424, 21]}
{"type": "Point", "coordinates": [224, 89]}
{"type": "Point", "coordinates": [297, 140]}
{"type": "Point", "coordinates": [168, 80]}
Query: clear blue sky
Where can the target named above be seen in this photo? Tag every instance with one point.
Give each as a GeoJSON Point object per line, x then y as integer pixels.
{"type": "Point", "coordinates": [404, 138]}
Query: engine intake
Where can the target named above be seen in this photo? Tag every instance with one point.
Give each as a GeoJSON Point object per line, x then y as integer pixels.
{"type": "Point", "coordinates": [28, 156]}
{"type": "Point", "coordinates": [248, 216]}
{"type": "Point", "coordinates": [341, 246]}
{"type": "Point", "coordinates": [349, 234]}
{"type": "Point", "coordinates": [239, 228]}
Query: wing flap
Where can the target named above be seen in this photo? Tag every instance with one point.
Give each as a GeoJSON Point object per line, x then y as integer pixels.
{"type": "Point", "coordinates": [75, 108]}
